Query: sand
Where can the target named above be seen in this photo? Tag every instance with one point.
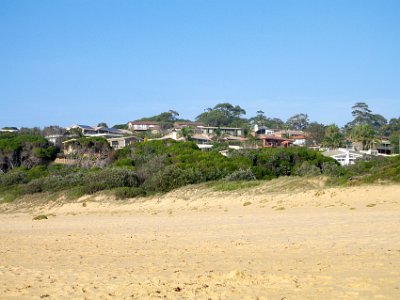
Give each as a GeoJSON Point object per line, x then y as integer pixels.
{"type": "Point", "coordinates": [195, 243]}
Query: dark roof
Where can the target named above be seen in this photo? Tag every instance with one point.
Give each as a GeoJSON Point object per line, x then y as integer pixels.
{"type": "Point", "coordinates": [86, 127]}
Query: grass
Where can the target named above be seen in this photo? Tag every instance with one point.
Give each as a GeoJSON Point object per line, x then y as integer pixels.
{"type": "Point", "coordinates": [227, 186]}
{"type": "Point", "coordinates": [247, 203]}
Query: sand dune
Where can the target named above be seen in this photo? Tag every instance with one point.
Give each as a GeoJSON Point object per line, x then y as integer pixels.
{"type": "Point", "coordinates": [279, 240]}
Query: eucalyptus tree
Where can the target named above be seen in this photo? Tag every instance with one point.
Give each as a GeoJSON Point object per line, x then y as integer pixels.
{"type": "Point", "coordinates": [223, 114]}
{"type": "Point", "coordinates": [298, 122]}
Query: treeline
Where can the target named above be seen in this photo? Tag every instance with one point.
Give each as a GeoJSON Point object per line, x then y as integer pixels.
{"type": "Point", "coordinates": [160, 166]}
{"type": "Point", "coordinates": [366, 128]}
{"type": "Point", "coordinates": [24, 150]}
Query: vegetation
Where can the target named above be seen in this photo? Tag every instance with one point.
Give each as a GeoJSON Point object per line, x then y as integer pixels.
{"type": "Point", "coordinates": [24, 150]}
{"type": "Point", "coordinates": [160, 166]}
{"type": "Point", "coordinates": [223, 114]}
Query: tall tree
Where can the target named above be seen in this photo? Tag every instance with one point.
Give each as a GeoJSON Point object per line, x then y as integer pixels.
{"type": "Point", "coordinates": [363, 134]}
{"type": "Point", "coordinates": [102, 124]}
{"type": "Point", "coordinates": [316, 133]}
{"type": "Point", "coordinates": [298, 122]}
{"type": "Point", "coordinates": [54, 130]}
{"type": "Point", "coordinates": [223, 114]}
{"type": "Point", "coordinates": [361, 113]}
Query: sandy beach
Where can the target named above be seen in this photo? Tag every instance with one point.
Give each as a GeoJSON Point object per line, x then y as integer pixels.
{"type": "Point", "coordinates": [268, 242]}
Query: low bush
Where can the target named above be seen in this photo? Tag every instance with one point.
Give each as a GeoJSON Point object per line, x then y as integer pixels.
{"type": "Point", "coordinates": [128, 192]}
{"type": "Point", "coordinates": [307, 169]}
{"type": "Point", "coordinates": [332, 169]}
{"type": "Point", "coordinates": [109, 178]}
{"type": "Point", "coordinates": [241, 175]}
{"type": "Point", "coordinates": [13, 177]}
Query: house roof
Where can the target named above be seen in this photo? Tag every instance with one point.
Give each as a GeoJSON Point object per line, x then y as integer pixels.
{"type": "Point", "coordinates": [235, 138]}
{"type": "Point", "coordinates": [200, 137]}
{"type": "Point", "coordinates": [178, 124]}
{"type": "Point", "coordinates": [132, 137]}
{"type": "Point", "coordinates": [144, 123]}
{"type": "Point", "coordinates": [298, 137]}
{"type": "Point", "coordinates": [213, 127]}
{"type": "Point", "coordinates": [273, 137]}
{"type": "Point", "coordinates": [115, 130]}
{"type": "Point", "coordinates": [340, 151]}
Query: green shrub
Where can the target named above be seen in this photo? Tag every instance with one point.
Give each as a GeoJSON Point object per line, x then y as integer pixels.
{"type": "Point", "coordinates": [307, 169]}
{"type": "Point", "coordinates": [241, 175]}
{"type": "Point", "coordinates": [125, 162]}
{"type": "Point", "coordinates": [13, 177]}
{"type": "Point", "coordinates": [172, 177]}
{"type": "Point", "coordinates": [37, 172]}
{"type": "Point", "coordinates": [109, 178]}
{"type": "Point", "coordinates": [128, 192]}
{"type": "Point", "coordinates": [332, 169]}
{"type": "Point", "coordinates": [35, 186]}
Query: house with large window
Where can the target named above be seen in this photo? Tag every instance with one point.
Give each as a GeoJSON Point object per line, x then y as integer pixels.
{"type": "Point", "coordinates": [98, 131]}
{"type": "Point", "coordinates": [143, 126]}
{"type": "Point", "coordinates": [122, 142]}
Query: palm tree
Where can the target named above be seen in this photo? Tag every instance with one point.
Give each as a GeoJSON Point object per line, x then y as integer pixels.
{"type": "Point", "coordinates": [333, 137]}
{"type": "Point", "coordinates": [364, 135]}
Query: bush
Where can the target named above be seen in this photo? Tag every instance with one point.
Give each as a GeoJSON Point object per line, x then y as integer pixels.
{"type": "Point", "coordinates": [108, 179]}
{"type": "Point", "coordinates": [35, 186]}
{"type": "Point", "coordinates": [13, 177]}
{"type": "Point", "coordinates": [172, 177]}
{"type": "Point", "coordinates": [307, 169]}
{"type": "Point", "coordinates": [128, 192]}
{"type": "Point", "coordinates": [332, 169]}
{"type": "Point", "coordinates": [241, 175]}
{"type": "Point", "coordinates": [37, 172]}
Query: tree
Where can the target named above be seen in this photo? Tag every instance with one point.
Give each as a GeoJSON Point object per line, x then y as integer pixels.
{"type": "Point", "coordinates": [187, 132]}
{"type": "Point", "coordinates": [316, 133]}
{"type": "Point", "coordinates": [393, 126]}
{"type": "Point", "coordinates": [54, 130]}
{"type": "Point", "coordinates": [26, 150]}
{"type": "Point", "coordinates": [298, 122]}
{"type": "Point", "coordinates": [361, 113]}
{"type": "Point", "coordinates": [364, 116]}
{"type": "Point", "coordinates": [395, 142]}
{"type": "Point", "coordinates": [259, 119]}
{"type": "Point", "coordinates": [120, 126]}
{"type": "Point", "coordinates": [166, 119]}
{"type": "Point", "coordinates": [275, 123]}
{"type": "Point", "coordinates": [174, 114]}
{"type": "Point", "coordinates": [363, 134]}
{"type": "Point", "coordinates": [333, 137]}
{"type": "Point", "coordinates": [102, 124]}
{"type": "Point", "coordinates": [223, 114]}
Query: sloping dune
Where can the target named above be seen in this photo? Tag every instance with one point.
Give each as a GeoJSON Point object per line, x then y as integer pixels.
{"type": "Point", "coordinates": [284, 239]}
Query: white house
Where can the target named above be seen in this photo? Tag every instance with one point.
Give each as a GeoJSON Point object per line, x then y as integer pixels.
{"type": "Point", "coordinates": [121, 142]}
{"type": "Point", "coordinates": [98, 131]}
{"type": "Point", "coordinates": [344, 156]}
{"type": "Point", "coordinates": [151, 126]}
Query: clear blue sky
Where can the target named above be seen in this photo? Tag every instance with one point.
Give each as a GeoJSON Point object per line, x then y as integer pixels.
{"type": "Point", "coordinates": [78, 61]}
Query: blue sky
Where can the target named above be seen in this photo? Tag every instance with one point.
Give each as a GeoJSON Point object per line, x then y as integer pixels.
{"type": "Point", "coordinates": [78, 61]}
